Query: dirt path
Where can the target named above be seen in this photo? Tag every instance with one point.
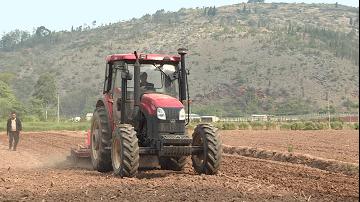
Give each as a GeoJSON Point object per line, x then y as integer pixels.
{"type": "Point", "coordinates": [40, 149]}
{"type": "Point", "coordinates": [240, 178]}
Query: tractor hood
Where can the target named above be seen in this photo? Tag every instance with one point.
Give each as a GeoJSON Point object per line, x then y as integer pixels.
{"type": "Point", "coordinates": [151, 101]}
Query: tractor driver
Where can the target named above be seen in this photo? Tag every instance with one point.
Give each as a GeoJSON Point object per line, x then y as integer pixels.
{"type": "Point", "coordinates": [143, 82]}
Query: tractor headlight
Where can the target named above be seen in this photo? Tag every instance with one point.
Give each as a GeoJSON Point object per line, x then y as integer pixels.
{"type": "Point", "coordinates": [182, 114]}
{"type": "Point", "coordinates": [160, 113]}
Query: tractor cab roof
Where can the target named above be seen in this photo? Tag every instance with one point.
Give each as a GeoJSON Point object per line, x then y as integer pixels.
{"type": "Point", "coordinates": [145, 58]}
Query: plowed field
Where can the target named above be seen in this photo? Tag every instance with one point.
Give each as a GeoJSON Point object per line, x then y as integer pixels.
{"type": "Point", "coordinates": [39, 171]}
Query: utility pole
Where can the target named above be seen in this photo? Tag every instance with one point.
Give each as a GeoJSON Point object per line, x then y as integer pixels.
{"type": "Point", "coordinates": [328, 102]}
{"type": "Point", "coordinates": [58, 107]}
{"type": "Point", "coordinates": [46, 112]}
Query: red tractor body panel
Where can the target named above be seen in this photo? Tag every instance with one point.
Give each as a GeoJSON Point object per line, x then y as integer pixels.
{"type": "Point", "coordinates": [143, 57]}
{"type": "Point", "coordinates": [149, 102]}
{"type": "Point", "coordinates": [109, 106]}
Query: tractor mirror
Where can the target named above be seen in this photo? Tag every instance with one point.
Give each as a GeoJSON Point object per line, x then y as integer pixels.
{"type": "Point", "coordinates": [126, 75]}
{"type": "Point", "coordinates": [174, 76]}
{"type": "Point", "coordinates": [121, 65]}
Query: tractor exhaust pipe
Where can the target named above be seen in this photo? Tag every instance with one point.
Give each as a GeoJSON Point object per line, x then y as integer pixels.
{"type": "Point", "coordinates": [184, 86]}
{"type": "Point", "coordinates": [182, 52]}
{"type": "Point", "coordinates": [135, 115]}
{"type": "Point", "coordinates": [136, 81]}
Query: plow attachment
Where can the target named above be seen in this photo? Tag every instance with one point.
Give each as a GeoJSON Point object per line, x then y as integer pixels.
{"type": "Point", "coordinates": [81, 154]}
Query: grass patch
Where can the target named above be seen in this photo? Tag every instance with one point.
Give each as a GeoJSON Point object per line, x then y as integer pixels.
{"type": "Point", "coordinates": [309, 125]}
{"type": "Point", "coordinates": [257, 125]}
{"type": "Point", "coordinates": [47, 126]}
{"type": "Point", "coordinates": [285, 126]}
{"type": "Point", "coordinates": [354, 126]}
{"type": "Point", "coordinates": [270, 125]}
{"type": "Point", "coordinates": [229, 126]}
{"type": "Point", "coordinates": [336, 125]}
{"type": "Point", "coordinates": [243, 126]}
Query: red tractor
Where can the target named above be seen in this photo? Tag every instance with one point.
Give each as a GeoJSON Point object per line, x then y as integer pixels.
{"type": "Point", "coordinates": [142, 116]}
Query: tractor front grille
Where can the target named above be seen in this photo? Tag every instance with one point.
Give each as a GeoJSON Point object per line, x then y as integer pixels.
{"type": "Point", "coordinates": [177, 127]}
{"type": "Point", "coordinates": [172, 113]}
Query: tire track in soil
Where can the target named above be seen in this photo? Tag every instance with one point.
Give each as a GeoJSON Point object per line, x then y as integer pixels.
{"type": "Point", "coordinates": [295, 158]}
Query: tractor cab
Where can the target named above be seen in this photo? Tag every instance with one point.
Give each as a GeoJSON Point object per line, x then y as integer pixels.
{"type": "Point", "coordinates": [140, 86]}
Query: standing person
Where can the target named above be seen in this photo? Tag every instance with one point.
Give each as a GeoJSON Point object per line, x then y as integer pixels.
{"type": "Point", "coordinates": [13, 130]}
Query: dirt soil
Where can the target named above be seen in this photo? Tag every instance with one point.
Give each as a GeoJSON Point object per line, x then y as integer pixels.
{"type": "Point", "coordinates": [341, 145]}
{"type": "Point", "coordinates": [38, 171]}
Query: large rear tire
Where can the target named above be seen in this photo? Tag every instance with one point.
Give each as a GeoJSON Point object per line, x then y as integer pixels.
{"type": "Point", "coordinates": [125, 151]}
{"type": "Point", "coordinates": [100, 141]}
{"type": "Point", "coordinates": [208, 161]}
{"type": "Point", "coordinates": [172, 163]}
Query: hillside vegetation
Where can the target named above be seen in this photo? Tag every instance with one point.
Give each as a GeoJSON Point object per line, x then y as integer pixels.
{"type": "Point", "coordinates": [245, 58]}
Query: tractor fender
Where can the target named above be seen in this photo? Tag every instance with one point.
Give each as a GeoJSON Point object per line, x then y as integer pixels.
{"type": "Point", "coordinates": [107, 102]}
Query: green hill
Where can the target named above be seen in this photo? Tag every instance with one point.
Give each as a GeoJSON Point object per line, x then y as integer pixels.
{"type": "Point", "coordinates": [245, 58]}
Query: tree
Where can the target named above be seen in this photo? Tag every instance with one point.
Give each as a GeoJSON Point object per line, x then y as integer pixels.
{"type": "Point", "coordinates": [79, 101]}
{"type": "Point", "coordinates": [42, 32]}
{"type": "Point", "coordinates": [256, 1]}
{"type": "Point", "coordinates": [10, 40]}
{"type": "Point", "coordinates": [8, 100]}
{"type": "Point", "coordinates": [35, 108]}
{"type": "Point", "coordinates": [45, 91]}
{"type": "Point", "coordinates": [211, 11]}
{"type": "Point", "coordinates": [24, 36]}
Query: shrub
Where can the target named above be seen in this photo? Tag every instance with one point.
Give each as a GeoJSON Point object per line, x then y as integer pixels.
{"type": "Point", "coordinates": [270, 125]}
{"type": "Point", "coordinates": [2, 126]}
{"type": "Point", "coordinates": [228, 126]}
{"type": "Point", "coordinates": [356, 126]}
{"type": "Point", "coordinates": [257, 125]}
{"type": "Point", "coordinates": [353, 126]}
{"type": "Point", "coordinates": [310, 126]}
{"type": "Point", "coordinates": [243, 126]}
{"type": "Point", "coordinates": [285, 126]}
{"type": "Point", "coordinates": [336, 125]}
{"type": "Point", "coordinates": [297, 126]}
{"type": "Point", "coordinates": [321, 125]}
{"type": "Point", "coordinates": [218, 125]}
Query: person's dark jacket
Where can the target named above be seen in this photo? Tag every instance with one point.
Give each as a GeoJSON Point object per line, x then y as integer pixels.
{"type": "Point", "coordinates": [18, 125]}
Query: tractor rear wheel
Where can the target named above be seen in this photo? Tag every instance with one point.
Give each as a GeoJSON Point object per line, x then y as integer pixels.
{"type": "Point", "coordinates": [208, 161]}
{"type": "Point", "coordinates": [125, 151]}
{"type": "Point", "coordinates": [100, 141]}
{"type": "Point", "coordinates": [172, 163]}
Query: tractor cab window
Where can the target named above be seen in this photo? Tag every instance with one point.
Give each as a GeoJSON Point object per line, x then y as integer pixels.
{"type": "Point", "coordinates": [153, 78]}
{"type": "Point", "coordinates": [158, 78]}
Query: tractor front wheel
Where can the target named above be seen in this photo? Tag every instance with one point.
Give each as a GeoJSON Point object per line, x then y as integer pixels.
{"type": "Point", "coordinates": [125, 151]}
{"type": "Point", "coordinates": [209, 159]}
